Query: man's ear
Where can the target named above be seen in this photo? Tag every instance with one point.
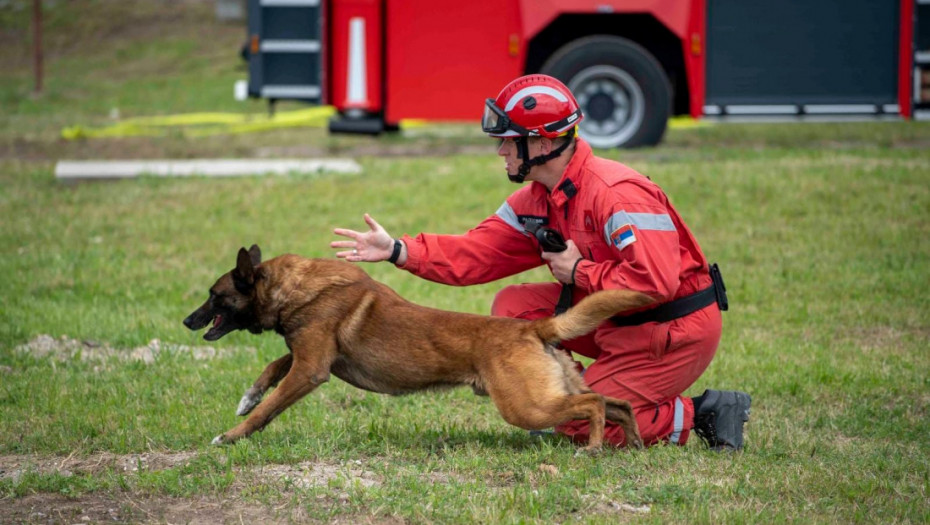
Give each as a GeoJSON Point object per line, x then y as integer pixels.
{"type": "Point", "coordinates": [244, 273]}
{"type": "Point", "coordinates": [255, 254]}
{"type": "Point", "coordinates": [545, 146]}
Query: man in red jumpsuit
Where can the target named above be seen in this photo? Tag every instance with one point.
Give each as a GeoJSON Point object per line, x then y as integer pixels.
{"type": "Point", "coordinates": [621, 232]}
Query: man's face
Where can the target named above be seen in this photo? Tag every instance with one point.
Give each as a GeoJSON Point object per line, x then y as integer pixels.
{"type": "Point", "coordinates": [511, 153]}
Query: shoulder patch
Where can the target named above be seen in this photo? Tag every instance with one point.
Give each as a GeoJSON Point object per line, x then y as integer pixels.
{"type": "Point", "coordinates": [623, 236]}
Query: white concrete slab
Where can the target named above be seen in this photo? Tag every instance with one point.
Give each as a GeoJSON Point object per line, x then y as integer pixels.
{"type": "Point", "coordinates": [83, 170]}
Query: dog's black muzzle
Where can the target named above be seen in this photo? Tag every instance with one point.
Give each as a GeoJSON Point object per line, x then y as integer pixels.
{"type": "Point", "coordinates": [200, 318]}
{"type": "Point", "coordinates": [223, 321]}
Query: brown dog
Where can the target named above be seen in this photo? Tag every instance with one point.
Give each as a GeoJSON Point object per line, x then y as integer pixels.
{"type": "Point", "coordinates": [336, 319]}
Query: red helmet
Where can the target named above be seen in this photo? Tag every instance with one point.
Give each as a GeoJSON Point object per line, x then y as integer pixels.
{"type": "Point", "coordinates": [531, 106]}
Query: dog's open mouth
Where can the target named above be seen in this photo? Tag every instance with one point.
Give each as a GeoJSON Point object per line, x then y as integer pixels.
{"type": "Point", "coordinates": [216, 331]}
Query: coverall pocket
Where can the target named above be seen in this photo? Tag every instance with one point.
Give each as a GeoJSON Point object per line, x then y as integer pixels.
{"type": "Point", "coordinates": [661, 340]}
{"type": "Point", "coordinates": [591, 244]}
{"type": "Point", "coordinates": [678, 335]}
{"type": "Point", "coordinates": [630, 387]}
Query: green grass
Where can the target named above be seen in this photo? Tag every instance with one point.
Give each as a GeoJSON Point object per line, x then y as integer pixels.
{"type": "Point", "coordinates": [821, 231]}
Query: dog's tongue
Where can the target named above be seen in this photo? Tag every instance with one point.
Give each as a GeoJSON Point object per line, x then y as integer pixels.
{"type": "Point", "coordinates": [217, 321]}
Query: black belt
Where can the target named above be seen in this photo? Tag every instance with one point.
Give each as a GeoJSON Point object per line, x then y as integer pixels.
{"type": "Point", "coordinates": [551, 241]}
{"type": "Point", "coordinates": [682, 306]}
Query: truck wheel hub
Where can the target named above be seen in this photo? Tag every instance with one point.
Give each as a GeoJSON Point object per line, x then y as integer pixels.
{"type": "Point", "coordinates": [613, 104]}
{"type": "Point", "coordinates": [600, 107]}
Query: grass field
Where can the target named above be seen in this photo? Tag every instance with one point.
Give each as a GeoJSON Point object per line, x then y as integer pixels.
{"type": "Point", "coordinates": [821, 230]}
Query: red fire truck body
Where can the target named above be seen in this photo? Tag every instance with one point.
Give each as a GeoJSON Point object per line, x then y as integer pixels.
{"type": "Point", "coordinates": [631, 63]}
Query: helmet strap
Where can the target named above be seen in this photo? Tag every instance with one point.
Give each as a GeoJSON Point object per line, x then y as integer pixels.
{"type": "Point", "coordinates": [523, 152]}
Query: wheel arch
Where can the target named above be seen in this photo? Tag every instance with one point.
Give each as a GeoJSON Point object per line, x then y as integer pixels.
{"type": "Point", "coordinates": [642, 29]}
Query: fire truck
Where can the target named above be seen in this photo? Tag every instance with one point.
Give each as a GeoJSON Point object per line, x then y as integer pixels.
{"type": "Point", "coordinates": [631, 63]}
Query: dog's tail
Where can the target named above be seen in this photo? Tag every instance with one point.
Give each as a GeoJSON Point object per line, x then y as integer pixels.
{"type": "Point", "coordinates": [588, 314]}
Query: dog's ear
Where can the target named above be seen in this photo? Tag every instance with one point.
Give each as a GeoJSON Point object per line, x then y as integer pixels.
{"type": "Point", "coordinates": [255, 253]}
{"type": "Point", "coordinates": [244, 273]}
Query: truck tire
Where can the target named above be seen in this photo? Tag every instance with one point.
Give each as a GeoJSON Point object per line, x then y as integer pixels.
{"type": "Point", "coordinates": [621, 88]}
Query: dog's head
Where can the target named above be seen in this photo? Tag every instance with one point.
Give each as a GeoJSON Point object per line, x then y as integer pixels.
{"type": "Point", "coordinates": [230, 305]}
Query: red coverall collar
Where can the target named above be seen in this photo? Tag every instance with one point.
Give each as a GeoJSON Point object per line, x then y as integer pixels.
{"type": "Point", "coordinates": [571, 180]}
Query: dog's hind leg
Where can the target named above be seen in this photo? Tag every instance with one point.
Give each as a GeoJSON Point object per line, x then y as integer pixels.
{"type": "Point", "coordinates": [539, 410]}
{"type": "Point", "coordinates": [616, 410]}
{"type": "Point", "coordinates": [273, 374]}
{"type": "Point", "coordinates": [590, 407]}
{"type": "Point", "coordinates": [621, 412]}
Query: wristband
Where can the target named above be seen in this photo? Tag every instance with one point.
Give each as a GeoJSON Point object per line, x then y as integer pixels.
{"type": "Point", "coordinates": [398, 246]}
{"type": "Point", "coordinates": [575, 267]}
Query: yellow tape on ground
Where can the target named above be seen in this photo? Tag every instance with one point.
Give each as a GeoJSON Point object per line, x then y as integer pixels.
{"type": "Point", "coordinates": [408, 123]}
{"type": "Point", "coordinates": [204, 124]}
{"type": "Point", "coordinates": [687, 123]}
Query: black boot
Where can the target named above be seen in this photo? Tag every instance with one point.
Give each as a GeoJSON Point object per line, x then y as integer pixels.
{"type": "Point", "coordinates": [719, 418]}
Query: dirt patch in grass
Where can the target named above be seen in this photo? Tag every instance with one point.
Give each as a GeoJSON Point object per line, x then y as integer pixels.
{"type": "Point", "coordinates": [306, 474]}
{"type": "Point", "coordinates": [601, 505]}
{"type": "Point", "coordinates": [126, 508]}
{"type": "Point", "coordinates": [14, 466]}
{"type": "Point", "coordinates": [885, 338]}
{"type": "Point", "coordinates": [129, 507]}
{"type": "Point", "coordinates": [320, 474]}
{"type": "Point", "coordinates": [65, 348]}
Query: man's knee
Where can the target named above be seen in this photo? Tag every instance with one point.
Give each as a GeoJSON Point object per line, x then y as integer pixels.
{"type": "Point", "coordinates": [507, 302]}
{"type": "Point", "coordinates": [523, 301]}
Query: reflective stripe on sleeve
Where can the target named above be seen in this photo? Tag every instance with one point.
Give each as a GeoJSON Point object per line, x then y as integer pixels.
{"type": "Point", "coordinates": [506, 213]}
{"type": "Point", "coordinates": [642, 221]}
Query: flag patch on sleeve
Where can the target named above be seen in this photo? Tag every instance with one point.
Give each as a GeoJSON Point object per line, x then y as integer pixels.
{"type": "Point", "coordinates": [623, 236]}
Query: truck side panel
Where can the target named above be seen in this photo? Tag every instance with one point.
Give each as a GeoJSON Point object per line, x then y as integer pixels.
{"type": "Point", "coordinates": [444, 58]}
{"type": "Point", "coordinates": [799, 53]}
{"type": "Point", "coordinates": [482, 46]}
{"type": "Point", "coordinates": [673, 14]}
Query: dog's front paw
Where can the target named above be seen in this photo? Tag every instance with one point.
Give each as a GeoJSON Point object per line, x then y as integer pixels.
{"type": "Point", "coordinates": [590, 450]}
{"type": "Point", "coordinates": [249, 401]}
